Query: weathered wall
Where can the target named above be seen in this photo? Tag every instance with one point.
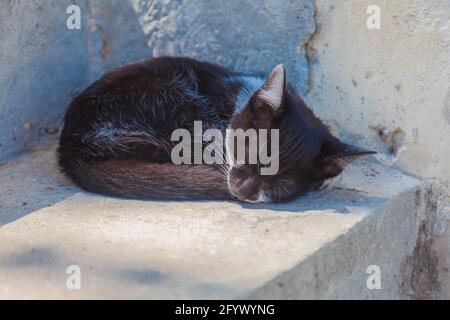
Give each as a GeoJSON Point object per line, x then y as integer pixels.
{"type": "Point", "coordinates": [388, 89]}
{"type": "Point", "coordinates": [43, 64]}
{"type": "Point", "coordinates": [249, 36]}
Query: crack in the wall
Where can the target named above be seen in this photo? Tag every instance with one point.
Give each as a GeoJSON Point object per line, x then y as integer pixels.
{"type": "Point", "coordinates": [310, 51]}
{"type": "Point", "coordinates": [96, 41]}
{"type": "Point", "coordinates": [114, 36]}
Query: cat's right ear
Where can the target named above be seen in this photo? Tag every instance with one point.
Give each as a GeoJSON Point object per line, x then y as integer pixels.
{"type": "Point", "coordinates": [274, 90]}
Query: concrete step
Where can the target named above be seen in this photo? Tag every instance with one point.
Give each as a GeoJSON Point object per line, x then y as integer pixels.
{"type": "Point", "coordinates": [319, 246]}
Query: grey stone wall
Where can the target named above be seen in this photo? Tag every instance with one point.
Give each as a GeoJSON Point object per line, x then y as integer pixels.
{"type": "Point", "coordinates": [43, 64]}
{"type": "Point", "coordinates": [249, 36]}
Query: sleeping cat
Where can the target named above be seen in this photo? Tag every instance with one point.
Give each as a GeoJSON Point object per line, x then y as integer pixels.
{"type": "Point", "coordinates": [117, 134]}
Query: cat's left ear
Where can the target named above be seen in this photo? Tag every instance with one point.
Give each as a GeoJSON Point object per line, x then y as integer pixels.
{"type": "Point", "coordinates": [273, 91]}
{"type": "Point", "coordinates": [337, 155]}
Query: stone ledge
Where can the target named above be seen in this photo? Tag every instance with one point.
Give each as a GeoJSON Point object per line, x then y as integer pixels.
{"type": "Point", "coordinates": [317, 247]}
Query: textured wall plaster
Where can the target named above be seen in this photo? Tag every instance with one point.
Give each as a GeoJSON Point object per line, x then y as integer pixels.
{"type": "Point", "coordinates": [250, 36]}
{"type": "Point", "coordinates": [387, 89]}
{"type": "Point", "coordinates": [43, 64]}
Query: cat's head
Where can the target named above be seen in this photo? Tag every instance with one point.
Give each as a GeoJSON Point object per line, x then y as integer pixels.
{"type": "Point", "coordinates": [306, 152]}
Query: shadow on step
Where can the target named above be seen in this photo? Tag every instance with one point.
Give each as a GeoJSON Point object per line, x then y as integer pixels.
{"type": "Point", "coordinates": [336, 200]}
{"type": "Point", "coordinates": [30, 183]}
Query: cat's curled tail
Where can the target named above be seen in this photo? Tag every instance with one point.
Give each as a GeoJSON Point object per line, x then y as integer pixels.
{"type": "Point", "coordinates": [154, 181]}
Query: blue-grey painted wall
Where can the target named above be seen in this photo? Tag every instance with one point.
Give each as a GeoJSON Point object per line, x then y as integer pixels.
{"type": "Point", "coordinates": [43, 64]}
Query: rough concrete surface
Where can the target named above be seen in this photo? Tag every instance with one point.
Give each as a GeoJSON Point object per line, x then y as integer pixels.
{"type": "Point", "coordinates": [317, 247]}
{"type": "Point", "coordinates": [29, 183]}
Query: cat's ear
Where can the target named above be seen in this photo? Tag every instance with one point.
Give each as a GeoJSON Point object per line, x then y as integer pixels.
{"type": "Point", "coordinates": [336, 155]}
{"type": "Point", "coordinates": [273, 91]}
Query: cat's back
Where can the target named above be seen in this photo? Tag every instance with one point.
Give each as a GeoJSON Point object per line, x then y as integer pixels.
{"type": "Point", "coordinates": [156, 89]}
{"type": "Point", "coordinates": [154, 75]}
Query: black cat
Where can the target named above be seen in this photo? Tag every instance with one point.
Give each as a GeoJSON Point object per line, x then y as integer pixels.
{"type": "Point", "coordinates": [117, 134]}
